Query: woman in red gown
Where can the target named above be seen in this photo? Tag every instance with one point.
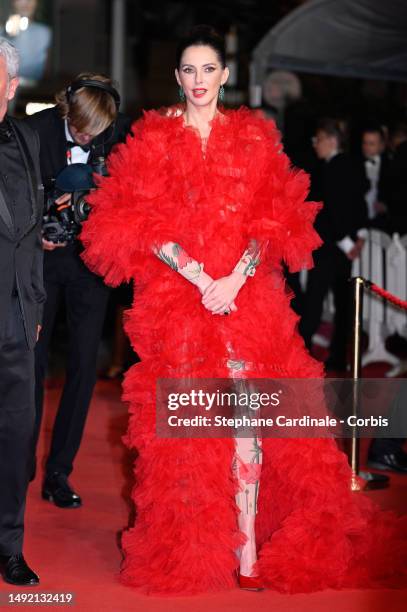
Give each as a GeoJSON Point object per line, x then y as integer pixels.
{"type": "Point", "coordinates": [201, 207]}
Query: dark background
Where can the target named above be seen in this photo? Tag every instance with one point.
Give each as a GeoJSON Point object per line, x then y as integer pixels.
{"type": "Point", "coordinates": [82, 41]}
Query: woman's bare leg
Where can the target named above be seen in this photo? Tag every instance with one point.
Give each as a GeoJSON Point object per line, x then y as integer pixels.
{"type": "Point", "coordinates": [247, 467]}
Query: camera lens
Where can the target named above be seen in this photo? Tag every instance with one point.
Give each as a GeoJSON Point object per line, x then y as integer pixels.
{"type": "Point", "coordinates": [82, 209]}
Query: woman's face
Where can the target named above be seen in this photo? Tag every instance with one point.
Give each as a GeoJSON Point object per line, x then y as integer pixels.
{"type": "Point", "coordinates": [201, 74]}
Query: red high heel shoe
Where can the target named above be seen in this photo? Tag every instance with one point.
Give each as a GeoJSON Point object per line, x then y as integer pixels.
{"type": "Point", "coordinates": [250, 583]}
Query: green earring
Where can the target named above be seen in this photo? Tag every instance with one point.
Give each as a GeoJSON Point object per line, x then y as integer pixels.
{"type": "Point", "coordinates": [221, 93]}
{"type": "Point", "coordinates": [181, 94]}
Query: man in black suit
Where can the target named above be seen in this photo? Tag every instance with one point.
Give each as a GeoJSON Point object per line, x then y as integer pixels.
{"type": "Point", "coordinates": [396, 180]}
{"type": "Point", "coordinates": [389, 453]}
{"type": "Point", "coordinates": [340, 184]}
{"type": "Point", "coordinates": [82, 128]}
{"type": "Point", "coordinates": [21, 302]}
{"type": "Point", "coordinates": [375, 165]}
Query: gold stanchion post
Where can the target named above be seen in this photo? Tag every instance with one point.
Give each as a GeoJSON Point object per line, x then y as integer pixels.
{"type": "Point", "coordinates": [356, 368]}
{"type": "Point", "coordinates": [360, 480]}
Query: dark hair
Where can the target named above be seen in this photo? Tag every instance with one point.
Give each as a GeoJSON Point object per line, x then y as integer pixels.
{"type": "Point", "coordinates": [335, 128]}
{"type": "Point", "coordinates": [374, 129]}
{"type": "Point", "coordinates": [205, 36]}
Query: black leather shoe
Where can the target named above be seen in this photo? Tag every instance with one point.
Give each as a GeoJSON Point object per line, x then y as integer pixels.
{"type": "Point", "coordinates": [15, 570]}
{"type": "Point", "coordinates": [56, 489]}
{"type": "Point", "coordinates": [396, 462]}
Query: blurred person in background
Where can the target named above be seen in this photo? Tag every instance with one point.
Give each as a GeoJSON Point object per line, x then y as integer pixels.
{"type": "Point", "coordinates": [79, 132]}
{"type": "Point", "coordinates": [31, 38]}
{"type": "Point", "coordinates": [388, 453]}
{"type": "Point", "coordinates": [341, 185]}
{"type": "Point", "coordinates": [376, 164]}
{"type": "Point", "coordinates": [396, 180]}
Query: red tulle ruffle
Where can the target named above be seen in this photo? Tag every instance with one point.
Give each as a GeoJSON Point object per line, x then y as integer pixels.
{"type": "Point", "coordinates": [312, 532]}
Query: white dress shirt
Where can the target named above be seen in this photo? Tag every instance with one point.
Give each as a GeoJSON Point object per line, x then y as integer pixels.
{"type": "Point", "coordinates": [372, 168]}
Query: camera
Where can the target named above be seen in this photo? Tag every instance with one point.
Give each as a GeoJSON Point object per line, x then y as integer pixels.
{"type": "Point", "coordinates": [62, 222]}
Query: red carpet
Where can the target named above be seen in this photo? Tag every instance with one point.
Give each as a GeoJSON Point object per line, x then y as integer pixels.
{"type": "Point", "coordinates": [77, 550]}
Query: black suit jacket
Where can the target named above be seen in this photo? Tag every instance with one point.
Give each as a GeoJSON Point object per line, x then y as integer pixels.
{"type": "Point", "coordinates": [21, 264]}
{"type": "Point", "coordinates": [395, 191]}
{"type": "Point", "coordinates": [341, 185]}
{"type": "Point", "coordinates": [383, 185]}
{"type": "Point", "coordinates": [383, 174]}
{"type": "Point", "coordinates": [51, 130]}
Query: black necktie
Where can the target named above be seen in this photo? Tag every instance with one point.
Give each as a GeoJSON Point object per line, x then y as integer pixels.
{"type": "Point", "coordinates": [71, 145]}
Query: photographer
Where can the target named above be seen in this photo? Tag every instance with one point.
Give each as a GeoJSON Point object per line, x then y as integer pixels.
{"type": "Point", "coordinates": [80, 129]}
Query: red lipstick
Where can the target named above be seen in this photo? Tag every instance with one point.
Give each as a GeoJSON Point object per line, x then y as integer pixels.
{"type": "Point", "coordinates": [199, 92]}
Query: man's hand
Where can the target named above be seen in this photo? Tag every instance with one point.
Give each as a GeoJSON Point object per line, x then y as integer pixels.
{"type": "Point", "coordinates": [357, 249]}
{"type": "Point", "coordinates": [219, 297]}
{"type": "Point", "coordinates": [39, 327]}
{"type": "Point", "coordinates": [47, 245]}
{"type": "Point", "coordinates": [63, 201]}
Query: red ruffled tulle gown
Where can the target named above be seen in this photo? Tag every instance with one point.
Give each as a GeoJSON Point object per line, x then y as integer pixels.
{"type": "Point", "coordinates": [312, 531]}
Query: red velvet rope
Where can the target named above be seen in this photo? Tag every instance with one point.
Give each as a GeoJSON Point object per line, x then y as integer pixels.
{"type": "Point", "coordinates": [386, 295]}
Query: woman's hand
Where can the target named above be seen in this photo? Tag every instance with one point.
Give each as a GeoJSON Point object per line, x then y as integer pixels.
{"type": "Point", "coordinates": [203, 283]}
{"type": "Point", "coordinates": [219, 296]}
{"type": "Point", "coordinates": [221, 293]}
